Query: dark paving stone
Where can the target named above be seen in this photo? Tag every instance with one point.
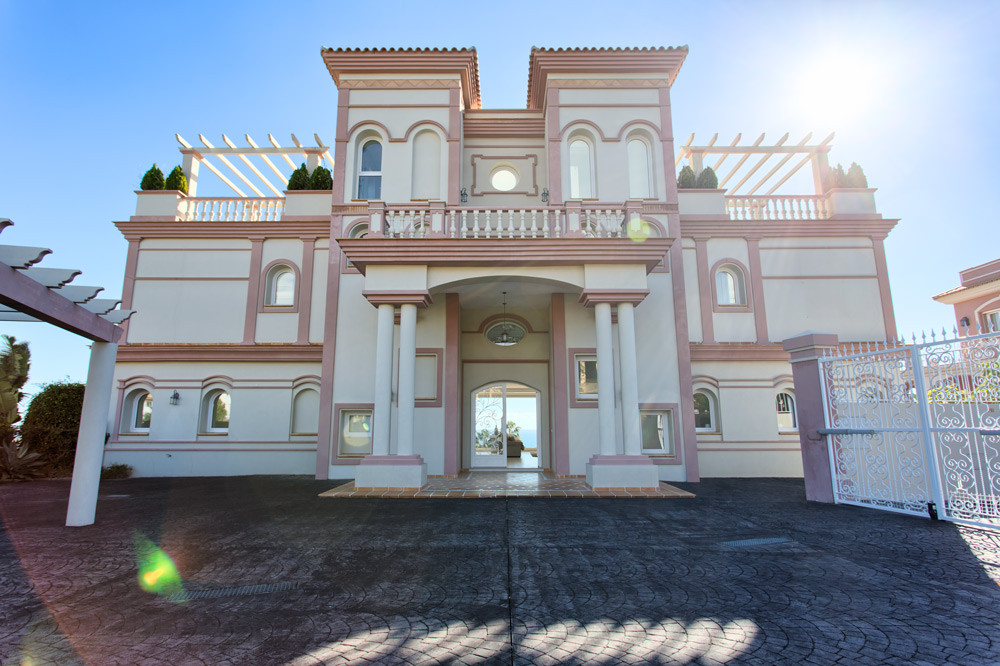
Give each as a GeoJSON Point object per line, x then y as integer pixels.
{"type": "Point", "coordinates": [746, 573]}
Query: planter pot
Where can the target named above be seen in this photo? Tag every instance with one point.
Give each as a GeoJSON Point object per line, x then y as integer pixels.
{"type": "Point", "coordinates": [159, 203]}
{"type": "Point", "coordinates": [310, 203]}
{"type": "Point", "coordinates": [844, 201]}
{"type": "Point", "coordinates": [702, 202]}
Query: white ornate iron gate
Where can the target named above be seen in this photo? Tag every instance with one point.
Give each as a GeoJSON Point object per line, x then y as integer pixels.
{"type": "Point", "coordinates": [915, 428]}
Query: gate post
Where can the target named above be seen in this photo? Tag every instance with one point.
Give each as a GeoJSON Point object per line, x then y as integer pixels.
{"type": "Point", "coordinates": [806, 350]}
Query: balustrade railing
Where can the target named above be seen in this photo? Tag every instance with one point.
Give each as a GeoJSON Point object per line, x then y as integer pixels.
{"type": "Point", "coordinates": [233, 209]}
{"type": "Point", "coordinates": [803, 207]}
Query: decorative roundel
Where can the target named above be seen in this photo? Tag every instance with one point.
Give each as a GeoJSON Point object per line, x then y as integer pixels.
{"type": "Point", "coordinates": [503, 179]}
{"type": "Point", "coordinates": [505, 333]}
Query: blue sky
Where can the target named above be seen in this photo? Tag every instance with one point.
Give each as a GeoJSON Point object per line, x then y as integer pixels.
{"type": "Point", "coordinates": [94, 92]}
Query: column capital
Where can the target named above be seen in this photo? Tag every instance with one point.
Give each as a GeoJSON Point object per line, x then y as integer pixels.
{"type": "Point", "coordinates": [806, 346]}
{"type": "Point", "coordinates": [590, 297]}
{"type": "Point", "coordinates": [419, 297]}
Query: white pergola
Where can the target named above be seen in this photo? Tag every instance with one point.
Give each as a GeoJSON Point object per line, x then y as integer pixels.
{"type": "Point", "coordinates": [34, 293]}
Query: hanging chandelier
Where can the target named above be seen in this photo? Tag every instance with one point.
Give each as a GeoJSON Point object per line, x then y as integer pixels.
{"type": "Point", "coordinates": [505, 334]}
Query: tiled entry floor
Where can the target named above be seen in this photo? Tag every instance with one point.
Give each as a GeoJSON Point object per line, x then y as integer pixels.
{"type": "Point", "coordinates": [505, 484]}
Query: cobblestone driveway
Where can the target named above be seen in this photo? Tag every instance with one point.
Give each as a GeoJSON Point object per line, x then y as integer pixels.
{"type": "Point", "coordinates": [746, 573]}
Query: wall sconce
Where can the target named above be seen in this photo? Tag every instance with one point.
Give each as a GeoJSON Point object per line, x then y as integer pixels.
{"type": "Point", "coordinates": [545, 195]}
{"type": "Point", "coordinates": [464, 195]}
{"type": "Point", "coordinates": [175, 398]}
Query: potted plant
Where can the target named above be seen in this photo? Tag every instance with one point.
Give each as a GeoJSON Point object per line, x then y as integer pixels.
{"type": "Point", "coordinates": [153, 201]}
{"type": "Point", "coordinates": [309, 195]}
{"type": "Point", "coordinates": [699, 194]}
{"type": "Point", "coordinates": [847, 193]}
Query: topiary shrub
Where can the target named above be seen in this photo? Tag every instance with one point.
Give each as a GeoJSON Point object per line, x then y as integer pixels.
{"type": "Point", "coordinates": [687, 180]}
{"type": "Point", "coordinates": [856, 177]}
{"type": "Point", "coordinates": [116, 471]}
{"type": "Point", "coordinates": [707, 180]}
{"type": "Point", "coordinates": [299, 179]}
{"type": "Point", "coordinates": [177, 181]}
{"type": "Point", "coordinates": [321, 179]}
{"type": "Point", "coordinates": [836, 178]}
{"type": "Point", "coordinates": [153, 179]}
{"type": "Point", "coordinates": [51, 425]}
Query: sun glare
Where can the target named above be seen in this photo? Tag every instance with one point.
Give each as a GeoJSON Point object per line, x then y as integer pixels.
{"type": "Point", "coordinates": [837, 91]}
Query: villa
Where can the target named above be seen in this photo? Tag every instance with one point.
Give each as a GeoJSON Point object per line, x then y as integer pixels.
{"type": "Point", "coordinates": [489, 288]}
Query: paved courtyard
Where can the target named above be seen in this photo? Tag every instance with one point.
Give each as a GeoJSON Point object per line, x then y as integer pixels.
{"type": "Point", "coordinates": [745, 573]}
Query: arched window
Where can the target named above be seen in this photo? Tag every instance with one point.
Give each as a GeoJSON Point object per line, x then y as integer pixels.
{"type": "Point", "coordinates": [705, 411]}
{"type": "Point", "coordinates": [730, 287]}
{"type": "Point", "coordinates": [305, 412]}
{"type": "Point", "coordinates": [370, 170]}
{"type": "Point", "coordinates": [426, 165]}
{"type": "Point", "coordinates": [280, 286]}
{"type": "Point", "coordinates": [785, 407]}
{"type": "Point", "coordinates": [138, 412]}
{"type": "Point", "coordinates": [581, 170]}
{"type": "Point", "coordinates": [215, 412]}
{"type": "Point", "coordinates": [638, 169]}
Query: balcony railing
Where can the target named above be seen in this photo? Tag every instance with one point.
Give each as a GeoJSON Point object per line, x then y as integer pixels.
{"type": "Point", "coordinates": [805, 207]}
{"type": "Point", "coordinates": [232, 209]}
{"type": "Point", "coordinates": [497, 223]}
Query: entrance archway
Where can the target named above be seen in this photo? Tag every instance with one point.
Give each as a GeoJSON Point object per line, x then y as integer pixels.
{"type": "Point", "coordinates": [506, 424]}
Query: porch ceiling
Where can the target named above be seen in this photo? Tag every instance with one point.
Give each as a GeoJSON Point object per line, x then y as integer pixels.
{"type": "Point", "coordinates": [520, 294]}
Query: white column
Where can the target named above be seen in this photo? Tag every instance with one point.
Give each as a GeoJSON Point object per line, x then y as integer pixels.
{"type": "Point", "coordinates": [629, 379]}
{"type": "Point", "coordinates": [90, 441]}
{"type": "Point", "coordinates": [382, 415]}
{"type": "Point", "coordinates": [407, 372]}
{"type": "Point", "coordinates": [605, 379]}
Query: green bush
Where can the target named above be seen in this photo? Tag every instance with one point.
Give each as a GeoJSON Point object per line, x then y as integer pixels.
{"type": "Point", "coordinates": [856, 177]}
{"type": "Point", "coordinates": [299, 179]}
{"type": "Point", "coordinates": [176, 180]}
{"type": "Point", "coordinates": [153, 179]}
{"type": "Point", "coordinates": [51, 425]}
{"type": "Point", "coordinates": [321, 179]}
{"type": "Point", "coordinates": [15, 360]}
{"type": "Point", "coordinates": [116, 471]}
{"type": "Point", "coordinates": [707, 180]}
{"type": "Point", "coordinates": [687, 180]}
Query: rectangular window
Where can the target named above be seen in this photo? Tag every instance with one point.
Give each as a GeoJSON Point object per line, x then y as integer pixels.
{"type": "Point", "coordinates": [370, 187]}
{"type": "Point", "coordinates": [355, 432]}
{"type": "Point", "coordinates": [657, 432]}
{"type": "Point", "coordinates": [586, 377]}
{"type": "Point", "coordinates": [426, 379]}
{"type": "Point", "coordinates": [992, 321]}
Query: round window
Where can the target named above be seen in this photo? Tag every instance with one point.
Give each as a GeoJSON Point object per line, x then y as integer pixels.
{"type": "Point", "coordinates": [503, 179]}
{"type": "Point", "coordinates": [505, 333]}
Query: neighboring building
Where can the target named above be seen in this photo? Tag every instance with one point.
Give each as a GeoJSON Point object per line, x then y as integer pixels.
{"type": "Point", "coordinates": [476, 267]}
{"type": "Point", "coordinates": [977, 300]}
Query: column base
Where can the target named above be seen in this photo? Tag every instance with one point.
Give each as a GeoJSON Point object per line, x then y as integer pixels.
{"type": "Point", "coordinates": [391, 472]}
{"type": "Point", "coordinates": [622, 472]}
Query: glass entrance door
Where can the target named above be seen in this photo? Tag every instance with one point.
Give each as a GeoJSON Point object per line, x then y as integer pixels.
{"type": "Point", "coordinates": [489, 426]}
{"type": "Point", "coordinates": [505, 426]}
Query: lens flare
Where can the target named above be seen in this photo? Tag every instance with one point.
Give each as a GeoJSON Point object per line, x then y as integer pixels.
{"type": "Point", "coordinates": [638, 229]}
{"type": "Point", "coordinates": [157, 573]}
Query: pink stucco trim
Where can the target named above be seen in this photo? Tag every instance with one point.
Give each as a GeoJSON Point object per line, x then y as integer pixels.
{"type": "Point", "coordinates": [253, 289]}
{"type": "Point", "coordinates": [810, 408]}
{"type": "Point", "coordinates": [452, 390]}
{"type": "Point", "coordinates": [419, 297]}
{"type": "Point", "coordinates": [705, 291]}
{"type": "Point", "coordinates": [392, 460]}
{"type": "Point", "coordinates": [737, 351]}
{"type": "Point", "coordinates": [553, 147]}
{"type": "Point", "coordinates": [116, 427]}
{"type": "Point", "coordinates": [268, 351]}
{"type": "Point", "coordinates": [208, 449]}
{"type": "Point", "coordinates": [454, 146]}
{"type": "Point", "coordinates": [667, 144]}
{"type": "Point", "coordinates": [296, 297]}
{"type": "Point", "coordinates": [438, 354]}
{"type": "Point", "coordinates": [340, 146]}
{"type": "Point", "coordinates": [598, 459]}
{"type": "Point", "coordinates": [757, 289]}
{"type": "Point", "coordinates": [747, 287]}
{"type": "Point", "coordinates": [685, 384]}
{"type": "Point", "coordinates": [574, 401]}
{"type": "Point", "coordinates": [560, 391]}
{"type": "Point", "coordinates": [885, 294]}
{"type": "Point", "coordinates": [335, 441]}
{"type": "Point", "coordinates": [324, 437]}
{"type": "Point", "coordinates": [754, 449]}
{"type": "Point", "coordinates": [675, 408]}
{"type": "Point", "coordinates": [306, 290]}
{"type": "Point", "coordinates": [530, 158]}
{"type": "Point", "coordinates": [590, 297]}
{"type": "Point", "coordinates": [128, 285]}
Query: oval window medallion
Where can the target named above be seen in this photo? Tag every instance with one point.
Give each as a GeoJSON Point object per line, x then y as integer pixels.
{"type": "Point", "coordinates": [503, 179]}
